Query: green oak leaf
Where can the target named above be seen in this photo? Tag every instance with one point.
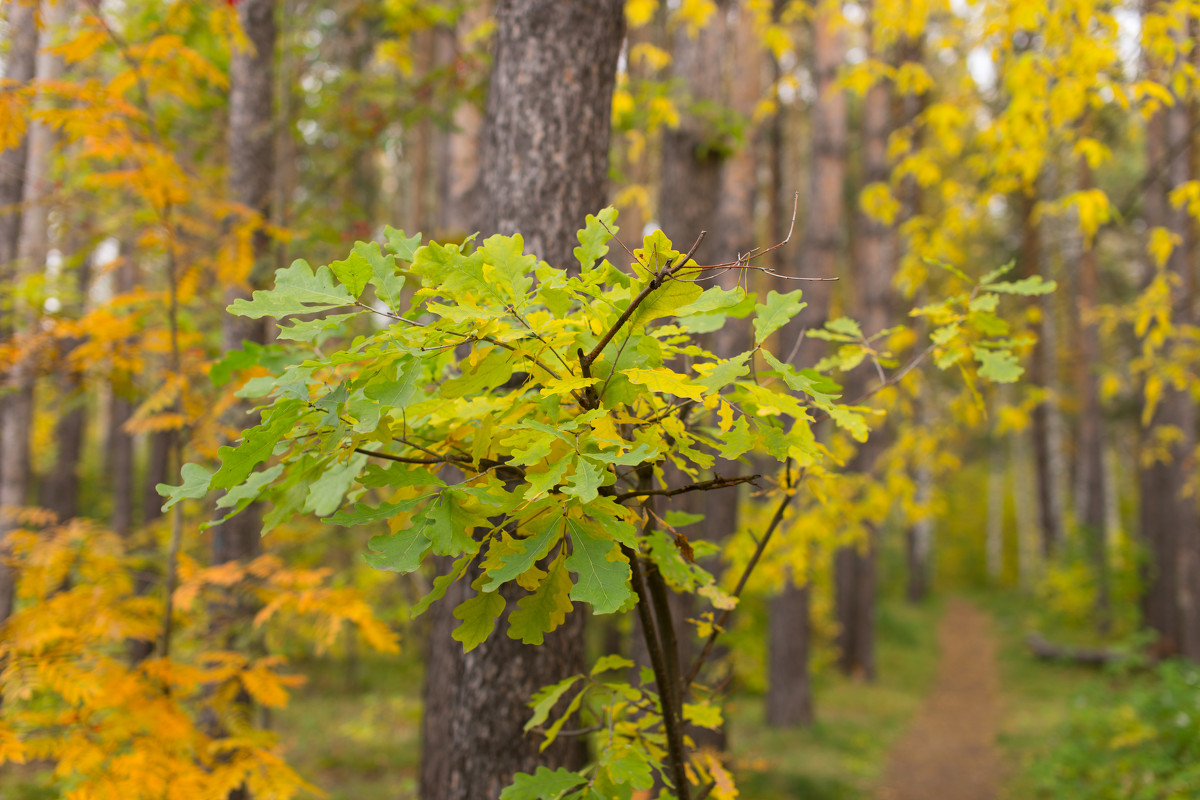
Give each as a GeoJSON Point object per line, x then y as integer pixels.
{"type": "Point", "coordinates": [714, 299]}
{"type": "Point", "coordinates": [354, 272]}
{"type": "Point", "coordinates": [543, 611]}
{"type": "Point", "coordinates": [405, 247]}
{"type": "Point", "coordinates": [364, 514]}
{"type": "Point", "coordinates": [664, 301]}
{"type": "Point", "coordinates": [243, 495]}
{"type": "Point", "coordinates": [737, 441]}
{"type": "Point", "coordinates": [389, 286]}
{"type": "Point", "coordinates": [1032, 285]}
{"type": "Point", "coordinates": [544, 784]}
{"type": "Point", "coordinates": [402, 551]}
{"type": "Point", "coordinates": [603, 581]}
{"type": "Point", "coordinates": [512, 268]}
{"type": "Point", "coordinates": [196, 481]}
{"type": "Point", "coordinates": [525, 553]}
{"type": "Point", "coordinates": [588, 478]}
{"type": "Point", "coordinates": [446, 525]}
{"type": "Point", "coordinates": [997, 365]}
{"type": "Point", "coordinates": [440, 584]}
{"type": "Point", "coordinates": [239, 461]}
{"type": "Point", "coordinates": [594, 239]}
{"type": "Point", "coordinates": [546, 698]}
{"type": "Point", "coordinates": [298, 290]}
{"type": "Point", "coordinates": [478, 614]}
{"type": "Point", "coordinates": [775, 313]}
{"type": "Point", "coordinates": [397, 383]}
{"type": "Point", "coordinates": [326, 492]}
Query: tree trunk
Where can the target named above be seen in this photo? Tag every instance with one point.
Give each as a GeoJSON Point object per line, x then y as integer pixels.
{"type": "Point", "coordinates": [251, 178]}
{"type": "Point", "coordinates": [1047, 421]}
{"type": "Point", "coordinates": [789, 700]}
{"type": "Point", "coordinates": [1090, 503]}
{"type": "Point", "coordinates": [871, 282]}
{"type": "Point", "coordinates": [823, 230]}
{"type": "Point", "coordinates": [252, 163]}
{"type": "Point", "coordinates": [544, 167]}
{"type": "Point", "coordinates": [1169, 518]}
{"type": "Point", "coordinates": [59, 492]}
{"type": "Point", "coordinates": [16, 405]}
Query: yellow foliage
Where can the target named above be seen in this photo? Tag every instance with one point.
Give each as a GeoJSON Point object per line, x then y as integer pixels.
{"type": "Point", "coordinates": [113, 730]}
{"type": "Point", "coordinates": [694, 15]}
{"type": "Point", "coordinates": [1160, 245]}
{"type": "Point", "coordinates": [639, 12]}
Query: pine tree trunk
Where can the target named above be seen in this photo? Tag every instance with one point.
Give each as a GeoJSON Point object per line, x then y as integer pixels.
{"type": "Point", "coordinates": [16, 405]}
{"type": "Point", "coordinates": [1168, 516]}
{"type": "Point", "coordinates": [789, 700]}
{"type": "Point", "coordinates": [252, 163]}
{"type": "Point", "coordinates": [1047, 419]}
{"type": "Point", "coordinates": [871, 282]}
{"type": "Point", "coordinates": [1090, 502]}
{"type": "Point", "coordinates": [251, 178]}
{"type": "Point", "coordinates": [544, 167]}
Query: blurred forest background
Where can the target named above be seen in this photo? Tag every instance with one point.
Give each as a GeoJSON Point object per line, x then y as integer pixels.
{"type": "Point", "coordinates": [158, 159]}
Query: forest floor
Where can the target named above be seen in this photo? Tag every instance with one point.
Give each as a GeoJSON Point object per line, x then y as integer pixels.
{"type": "Point", "coordinates": [950, 751]}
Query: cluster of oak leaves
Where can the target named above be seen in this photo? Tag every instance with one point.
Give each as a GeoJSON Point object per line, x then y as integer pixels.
{"type": "Point", "coordinates": [416, 424]}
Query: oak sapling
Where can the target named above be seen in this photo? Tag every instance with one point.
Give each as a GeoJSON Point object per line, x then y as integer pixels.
{"type": "Point", "coordinates": [515, 418]}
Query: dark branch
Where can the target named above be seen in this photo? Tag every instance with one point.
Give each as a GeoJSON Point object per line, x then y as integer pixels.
{"type": "Point", "coordinates": [716, 483]}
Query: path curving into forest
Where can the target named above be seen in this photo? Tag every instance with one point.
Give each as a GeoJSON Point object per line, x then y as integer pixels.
{"type": "Point", "coordinates": [950, 752]}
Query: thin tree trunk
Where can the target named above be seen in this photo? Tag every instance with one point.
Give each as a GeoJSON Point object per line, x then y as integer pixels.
{"type": "Point", "coordinates": [1090, 491]}
{"type": "Point", "coordinates": [544, 168]}
{"type": "Point", "coordinates": [789, 700]}
{"type": "Point", "coordinates": [1168, 516]}
{"type": "Point", "coordinates": [251, 177]}
{"type": "Point", "coordinates": [871, 283]}
{"type": "Point", "coordinates": [60, 490]}
{"type": "Point", "coordinates": [1178, 407]}
{"type": "Point", "coordinates": [1047, 419]}
{"type": "Point", "coordinates": [16, 407]}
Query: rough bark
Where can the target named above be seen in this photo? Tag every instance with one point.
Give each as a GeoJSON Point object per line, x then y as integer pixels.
{"type": "Point", "coordinates": [544, 166]}
{"type": "Point", "coordinates": [16, 406]}
{"type": "Point", "coordinates": [789, 699]}
{"type": "Point", "coordinates": [871, 284]}
{"type": "Point", "coordinates": [1169, 520]}
{"type": "Point", "coordinates": [251, 175]}
{"type": "Point", "coordinates": [823, 229]}
{"type": "Point", "coordinates": [251, 178]}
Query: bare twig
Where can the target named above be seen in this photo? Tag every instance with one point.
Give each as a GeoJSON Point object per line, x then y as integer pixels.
{"type": "Point", "coordinates": [719, 625]}
{"type": "Point", "coordinates": [716, 483]}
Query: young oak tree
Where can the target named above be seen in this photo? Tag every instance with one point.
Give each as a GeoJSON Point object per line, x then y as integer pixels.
{"type": "Point", "coordinates": [516, 417]}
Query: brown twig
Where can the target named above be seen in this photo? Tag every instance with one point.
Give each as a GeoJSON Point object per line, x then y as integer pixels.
{"type": "Point", "coordinates": [716, 483]}
{"type": "Point", "coordinates": [719, 625]}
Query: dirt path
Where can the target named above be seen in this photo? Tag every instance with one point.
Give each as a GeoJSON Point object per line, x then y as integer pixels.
{"type": "Point", "coordinates": [950, 752]}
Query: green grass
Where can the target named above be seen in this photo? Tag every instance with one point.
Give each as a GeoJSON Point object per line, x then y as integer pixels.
{"type": "Point", "coordinates": [843, 755]}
